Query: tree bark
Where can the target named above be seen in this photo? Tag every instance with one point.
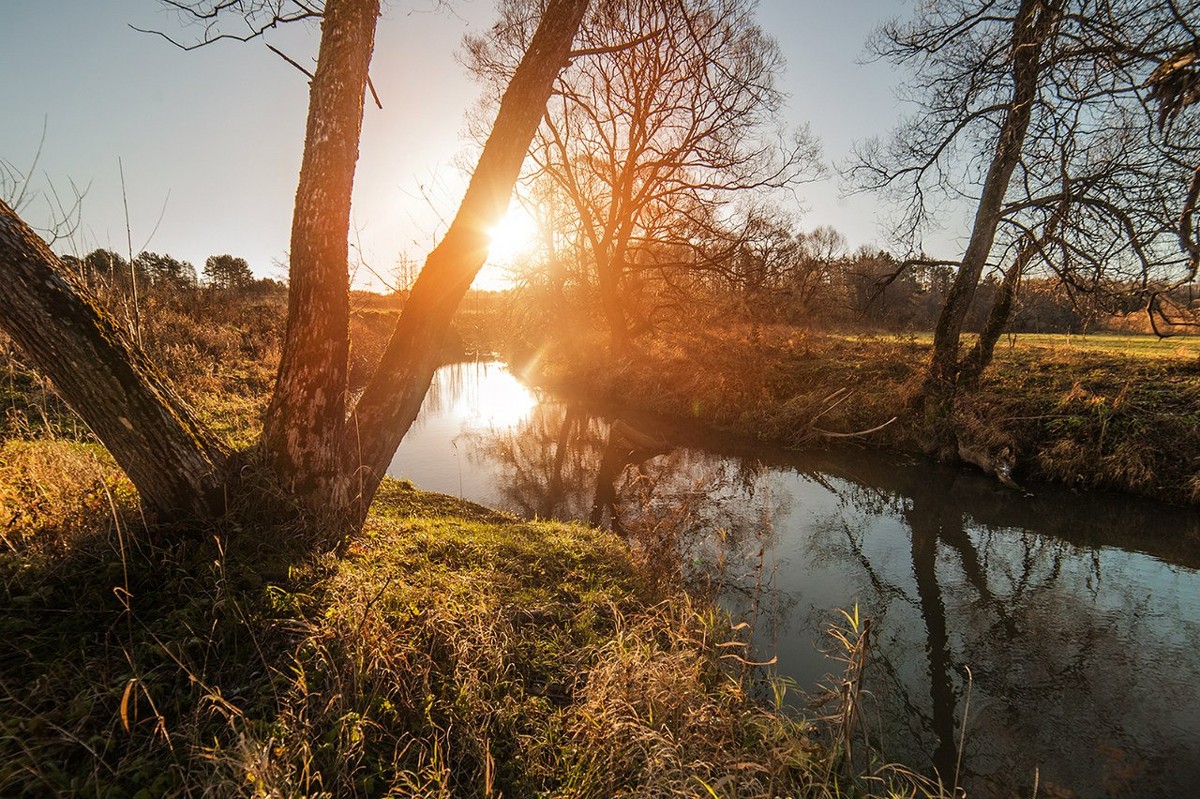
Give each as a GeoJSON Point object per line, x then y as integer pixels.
{"type": "Point", "coordinates": [179, 468]}
{"type": "Point", "coordinates": [304, 428]}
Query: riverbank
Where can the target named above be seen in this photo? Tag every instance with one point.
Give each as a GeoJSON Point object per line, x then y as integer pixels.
{"type": "Point", "coordinates": [448, 650]}
{"type": "Point", "coordinates": [1117, 413]}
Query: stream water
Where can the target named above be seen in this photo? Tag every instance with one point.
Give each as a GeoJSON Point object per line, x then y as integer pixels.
{"type": "Point", "coordinates": [1063, 627]}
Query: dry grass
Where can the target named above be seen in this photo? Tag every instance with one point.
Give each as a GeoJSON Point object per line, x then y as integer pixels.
{"type": "Point", "coordinates": [52, 491]}
{"type": "Point", "coordinates": [1111, 412]}
{"type": "Point", "coordinates": [221, 352]}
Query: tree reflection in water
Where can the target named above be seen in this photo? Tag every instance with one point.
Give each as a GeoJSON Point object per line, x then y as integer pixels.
{"type": "Point", "coordinates": [682, 511]}
{"type": "Point", "coordinates": [1078, 616]}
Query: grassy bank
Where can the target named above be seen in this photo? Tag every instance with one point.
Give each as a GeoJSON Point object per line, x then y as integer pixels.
{"type": "Point", "coordinates": [1108, 412]}
{"type": "Point", "coordinates": [448, 650]}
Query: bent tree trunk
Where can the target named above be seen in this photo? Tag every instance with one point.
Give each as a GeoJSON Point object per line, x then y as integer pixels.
{"type": "Point", "coordinates": [332, 463]}
{"type": "Point", "coordinates": [1032, 27]}
{"type": "Point", "coordinates": [178, 466]}
{"type": "Point", "coordinates": [393, 396]}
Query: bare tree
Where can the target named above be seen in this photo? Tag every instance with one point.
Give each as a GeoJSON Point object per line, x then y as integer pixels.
{"type": "Point", "coordinates": [667, 109]}
{"type": "Point", "coordinates": [325, 452]}
{"type": "Point", "coordinates": [1030, 113]}
{"type": "Point", "coordinates": [976, 64]}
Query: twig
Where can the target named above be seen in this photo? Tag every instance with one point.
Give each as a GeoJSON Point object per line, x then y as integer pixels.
{"type": "Point", "coordinates": [137, 314]}
{"type": "Point", "coordinates": [288, 59]}
{"type": "Point", "coordinates": [831, 434]}
{"type": "Point", "coordinates": [374, 94]}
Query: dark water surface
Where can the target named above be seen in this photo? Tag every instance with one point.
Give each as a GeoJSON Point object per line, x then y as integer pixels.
{"type": "Point", "coordinates": [1077, 616]}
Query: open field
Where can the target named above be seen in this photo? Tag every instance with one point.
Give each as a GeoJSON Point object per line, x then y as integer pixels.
{"type": "Point", "coordinates": [1142, 346]}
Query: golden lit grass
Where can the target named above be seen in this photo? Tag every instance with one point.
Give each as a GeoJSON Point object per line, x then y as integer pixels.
{"type": "Point", "coordinates": [1141, 346]}
{"type": "Point", "coordinates": [221, 352]}
{"type": "Point", "coordinates": [1099, 416]}
{"type": "Point", "coordinates": [462, 653]}
{"type": "Point", "coordinates": [52, 490]}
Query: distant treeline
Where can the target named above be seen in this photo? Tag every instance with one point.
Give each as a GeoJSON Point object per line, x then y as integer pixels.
{"type": "Point", "coordinates": [104, 270]}
{"type": "Point", "coordinates": [808, 278]}
{"type": "Point", "coordinates": [776, 274]}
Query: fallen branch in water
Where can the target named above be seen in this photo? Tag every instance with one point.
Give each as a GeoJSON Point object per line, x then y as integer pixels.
{"type": "Point", "coordinates": [1000, 466]}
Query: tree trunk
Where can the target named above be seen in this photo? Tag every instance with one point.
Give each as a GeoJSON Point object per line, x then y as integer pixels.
{"type": "Point", "coordinates": [393, 396]}
{"type": "Point", "coordinates": [1035, 19]}
{"type": "Point", "coordinates": [305, 424]}
{"type": "Point", "coordinates": [1033, 24]}
{"type": "Point", "coordinates": [177, 465]}
{"type": "Point", "coordinates": [980, 356]}
{"type": "Point", "coordinates": [608, 273]}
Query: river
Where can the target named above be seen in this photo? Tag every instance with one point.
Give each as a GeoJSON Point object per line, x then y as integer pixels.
{"type": "Point", "coordinates": [1064, 627]}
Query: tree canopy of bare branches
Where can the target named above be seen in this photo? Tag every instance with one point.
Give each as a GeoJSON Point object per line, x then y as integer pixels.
{"type": "Point", "coordinates": [666, 111]}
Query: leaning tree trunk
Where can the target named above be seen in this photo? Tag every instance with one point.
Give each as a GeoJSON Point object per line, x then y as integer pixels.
{"type": "Point", "coordinates": [393, 396]}
{"type": "Point", "coordinates": [1034, 21]}
{"type": "Point", "coordinates": [177, 465]}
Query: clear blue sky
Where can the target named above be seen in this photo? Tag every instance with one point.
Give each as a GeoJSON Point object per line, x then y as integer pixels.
{"type": "Point", "coordinates": [215, 135]}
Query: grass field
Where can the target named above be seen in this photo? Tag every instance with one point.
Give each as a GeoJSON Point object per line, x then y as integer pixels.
{"type": "Point", "coordinates": [1112, 343]}
{"type": "Point", "coordinates": [1140, 345]}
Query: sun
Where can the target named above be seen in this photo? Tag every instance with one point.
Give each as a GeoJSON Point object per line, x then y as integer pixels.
{"type": "Point", "coordinates": [511, 240]}
{"type": "Point", "coordinates": [513, 237]}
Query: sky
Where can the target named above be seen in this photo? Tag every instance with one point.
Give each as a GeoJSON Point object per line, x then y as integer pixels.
{"type": "Point", "coordinates": [209, 141]}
